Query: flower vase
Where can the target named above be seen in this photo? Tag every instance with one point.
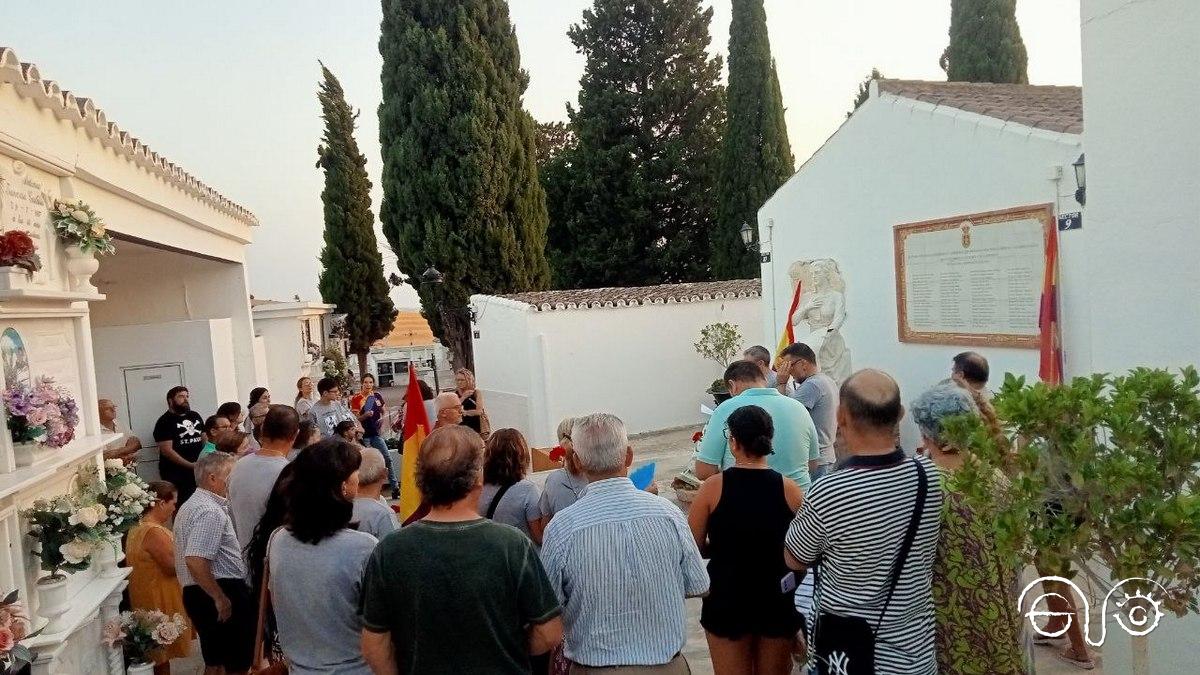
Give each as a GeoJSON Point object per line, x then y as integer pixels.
{"type": "Point", "coordinates": [139, 669]}
{"type": "Point", "coordinates": [53, 602]}
{"type": "Point", "coordinates": [32, 453]}
{"type": "Point", "coordinates": [107, 555]}
{"type": "Point", "coordinates": [81, 265]}
{"type": "Point", "coordinates": [13, 278]}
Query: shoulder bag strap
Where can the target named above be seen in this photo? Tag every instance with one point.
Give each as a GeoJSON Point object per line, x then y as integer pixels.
{"type": "Point", "coordinates": [496, 500]}
{"type": "Point", "coordinates": [264, 603]}
{"type": "Point", "coordinates": [909, 536]}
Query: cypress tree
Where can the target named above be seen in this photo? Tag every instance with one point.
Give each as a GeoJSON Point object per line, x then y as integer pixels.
{"type": "Point", "coordinates": [633, 199]}
{"type": "Point", "coordinates": [460, 182]}
{"type": "Point", "coordinates": [756, 157]}
{"type": "Point", "coordinates": [985, 43]}
{"type": "Point", "coordinates": [351, 265]}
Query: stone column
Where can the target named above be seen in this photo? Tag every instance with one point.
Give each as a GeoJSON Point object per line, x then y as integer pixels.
{"type": "Point", "coordinates": [109, 610]}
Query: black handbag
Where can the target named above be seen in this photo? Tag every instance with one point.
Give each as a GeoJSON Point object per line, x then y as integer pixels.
{"type": "Point", "coordinates": [846, 645]}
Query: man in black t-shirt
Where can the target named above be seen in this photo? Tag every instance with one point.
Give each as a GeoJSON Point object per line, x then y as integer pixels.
{"type": "Point", "coordinates": [179, 435]}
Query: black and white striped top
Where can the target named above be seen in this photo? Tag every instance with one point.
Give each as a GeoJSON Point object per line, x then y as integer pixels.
{"type": "Point", "coordinates": [853, 522]}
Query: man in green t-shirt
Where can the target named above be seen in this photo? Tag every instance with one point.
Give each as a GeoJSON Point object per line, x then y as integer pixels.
{"type": "Point", "coordinates": [454, 592]}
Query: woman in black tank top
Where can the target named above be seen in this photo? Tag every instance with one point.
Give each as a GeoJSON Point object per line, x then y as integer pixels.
{"type": "Point", "coordinates": [739, 519]}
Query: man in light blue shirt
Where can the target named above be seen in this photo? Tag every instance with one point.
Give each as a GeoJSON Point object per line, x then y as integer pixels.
{"type": "Point", "coordinates": [796, 448]}
{"type": "Point", "coordinates": [621, 561]}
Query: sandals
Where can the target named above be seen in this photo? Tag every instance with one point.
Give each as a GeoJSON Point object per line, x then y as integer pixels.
{"type": "Point", "coordinates": [1068, 656]}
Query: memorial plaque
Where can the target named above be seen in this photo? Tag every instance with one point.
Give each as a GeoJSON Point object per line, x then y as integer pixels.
{"type": "Point", "coordinates": [973, 280]}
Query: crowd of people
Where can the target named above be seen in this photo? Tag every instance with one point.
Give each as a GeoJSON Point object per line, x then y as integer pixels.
{"type": "Point", "coordinates": [805, 486]}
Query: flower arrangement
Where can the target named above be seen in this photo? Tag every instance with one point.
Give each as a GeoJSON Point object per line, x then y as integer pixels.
{"type": "Point", "coordinates": [121, 493]}
{"type": "Point", "coordinates": [14, 627]}
{"type": "Point", "coordinates": [78, 224]}
{"type": "Point", "coordinates": [18, 250]}
{"type": "Point", "coordinates": [143, 633]}
{"type": "Point", "coordinates": [43, 413]}
{"type": "Point", "coordinates": [69, 530]}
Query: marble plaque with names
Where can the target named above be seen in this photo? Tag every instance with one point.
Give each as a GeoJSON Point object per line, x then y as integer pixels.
{"type": "Point", "coordinates": [24, 205]}
{"type": "Point", "coordinates": [974, 279]}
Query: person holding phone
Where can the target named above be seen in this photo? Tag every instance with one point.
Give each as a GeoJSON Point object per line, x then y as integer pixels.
{"type": "Point", "coordinates": [368, 406]}
{"type": "Point", "coordinates": [739, 519]}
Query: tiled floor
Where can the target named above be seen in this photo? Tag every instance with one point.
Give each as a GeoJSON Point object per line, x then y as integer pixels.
{"type": "Point", "coordinates": [671, 451]}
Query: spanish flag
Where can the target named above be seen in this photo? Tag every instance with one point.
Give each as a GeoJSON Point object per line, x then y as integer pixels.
{"type": "Point", "coordinates": [1051, 366]}
{"type": "Point", "coordinates": [789, 336]}
{"type": "Point", "coordinates": [416, 428]}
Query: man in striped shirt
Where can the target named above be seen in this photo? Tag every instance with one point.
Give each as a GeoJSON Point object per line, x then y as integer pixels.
{"type": "Point", "coordinates": [622, 561]}
{"type": "Point", "coordinates": [853, 522]}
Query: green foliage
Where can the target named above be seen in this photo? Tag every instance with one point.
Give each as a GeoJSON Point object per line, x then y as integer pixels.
{"type": "Point", "coordinates": [720, 342]}
{"type": "Point", "coordinates": [756, 157]}
{"type": "Point", "coordinates": [351, 265]}
{"type": "Point", "coordinates": [633, 201]}
{"type": "Point", "coordinates": [460, 180]}
{"type": "Point", "coordinates": [68, 532]}
{"type": "Point", "coordinates": [985, 43]}
{"type": "Point", "coordinates": [552, 139]}
{"type": "Point", "coordinates": [334, 365]}
{"type": "Point", "coordinates": [1118, 455]}
{"type": "Point", "coordinates": [864, 90]}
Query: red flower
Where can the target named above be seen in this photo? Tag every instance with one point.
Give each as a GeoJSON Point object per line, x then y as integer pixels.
{"type": "Point", "coordinates": [697, 436]}
{"type": "Point", "coordinates": [17, 244]}
{"type": "Point", "coordinates": [557, 453]}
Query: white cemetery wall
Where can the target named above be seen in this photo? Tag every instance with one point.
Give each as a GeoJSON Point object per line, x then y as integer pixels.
{"type": "Point", "coordinates": [1143, 181]}
{"type": "Point", "coordinates": [894, 162]}
{"type": "Point", "coordinates": [505, 362]}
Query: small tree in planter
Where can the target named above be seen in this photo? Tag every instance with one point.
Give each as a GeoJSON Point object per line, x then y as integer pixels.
{"type": "Point", "coordinates": [720, 342]}
{"type": "Point", "coordinates": [1116, 458]}
{"type": "Point", "coordinates": [68, 532]}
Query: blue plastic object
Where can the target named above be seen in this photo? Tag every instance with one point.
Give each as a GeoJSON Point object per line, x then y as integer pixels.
{"type": "Point", "coordinates": [643, 476]}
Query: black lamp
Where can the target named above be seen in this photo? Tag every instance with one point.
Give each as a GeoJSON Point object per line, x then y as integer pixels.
{"type": "Point", "coordinates": [1080, 181]}
{"type": "Point", "coordinates": [432, 276]}
{"type": "Point", "coordinates": [747, 233]}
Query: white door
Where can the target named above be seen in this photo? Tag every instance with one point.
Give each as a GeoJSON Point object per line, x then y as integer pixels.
{"type": "Point", "coordinates": [145, 401]}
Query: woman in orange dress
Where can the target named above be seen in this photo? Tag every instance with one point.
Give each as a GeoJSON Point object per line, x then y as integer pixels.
{"type": "Point", "coordinates": [150, 551]}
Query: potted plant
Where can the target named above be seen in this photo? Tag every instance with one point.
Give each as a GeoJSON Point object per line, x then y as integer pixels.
{"type": "Point", "coordinates": [720, 342]}
{"type": "Point", "coordinates": [124, 497]}
{"type": "Point", "coordinates": [67, 532]}
{"type": "Point", "coordinates": [18, 259]}
{"type": "Point", "coordinates": [14, 627]}
{"type": "Point", "coordinates": [1117, 456]}
{"type": "Point", "coordinates": [335, 366]}
{"type": "Point", "coordinates": [142, 635]}
{"type": "Point", "coordinates": [85, 236]}
{"type": "Point", "coordinates": [41, 418]}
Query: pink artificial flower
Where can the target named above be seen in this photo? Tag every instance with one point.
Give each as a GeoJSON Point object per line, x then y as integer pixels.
{"type": "Point", "coordinates": [37, 416]}
{"type": "Point", "coordinates": [113, 633]}
{"type": "Point", "coordinates": [7, 640]}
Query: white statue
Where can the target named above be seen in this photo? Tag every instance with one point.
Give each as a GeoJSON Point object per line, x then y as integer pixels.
{"type": "Point", "coordinates": [819, 317]}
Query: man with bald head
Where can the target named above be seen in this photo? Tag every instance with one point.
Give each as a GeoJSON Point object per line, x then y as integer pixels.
{"type": "Point", "coordinates": [477, 578]}
{"type": "Point", "coordinates": [449, 410]}
{"type": "Point", "coordinates": [873, 527]}
{"type": "Point", "coordinates": [124, 449]}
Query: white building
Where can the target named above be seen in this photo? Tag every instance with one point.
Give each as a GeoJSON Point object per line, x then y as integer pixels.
{"type": "Point", "coordinates": [543, 356]}
{"type": "Point", "coordinates": [293, 335]}
{"type": "Point", "coordinates": [917, 151]}
{"type": "Point", "coordinates": [410, 341]}
{"type": "Point", "coordinates": [172, 308]}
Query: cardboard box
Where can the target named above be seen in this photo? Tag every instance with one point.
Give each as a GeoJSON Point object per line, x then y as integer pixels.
{"type": "Point", "coordinates": [542, 461]}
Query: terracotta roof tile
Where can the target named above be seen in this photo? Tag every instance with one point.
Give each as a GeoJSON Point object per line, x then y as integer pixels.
{"type": "Point", "coordinates": [1043, 107]}
{"type": "Point", "coordinates": [644, 295]}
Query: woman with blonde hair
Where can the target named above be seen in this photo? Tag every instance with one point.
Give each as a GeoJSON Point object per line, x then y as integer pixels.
{"type": "Point", "coordinates": [563, 486]}
{"type": "Point", "coordinates": [150, 550]}
{"type": "Point", "coordinates": [508, 496]}
{"type": "Point", "coordinates": [474, 414]}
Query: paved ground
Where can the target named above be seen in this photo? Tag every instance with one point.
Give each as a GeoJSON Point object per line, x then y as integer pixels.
{"type": "Point", "coordinates": [672, 451]}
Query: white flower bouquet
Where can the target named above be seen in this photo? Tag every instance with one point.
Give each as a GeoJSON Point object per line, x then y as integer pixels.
{"type": "Point", "coordinates": [69, 530]}
{"type": "Point", "coordinates": [76, 223]}
{"type": "Point", "coordinates": [121, 494]}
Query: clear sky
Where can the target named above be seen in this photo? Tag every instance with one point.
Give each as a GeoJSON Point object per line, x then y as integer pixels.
{"type": "Point", "coordinates": [227, 88]}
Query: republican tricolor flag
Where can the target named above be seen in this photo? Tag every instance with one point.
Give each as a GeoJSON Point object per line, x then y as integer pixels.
{"type": "Point", "coordinates": [416, 428]}
{"type": "Point", "coordinates": [1051, 362]}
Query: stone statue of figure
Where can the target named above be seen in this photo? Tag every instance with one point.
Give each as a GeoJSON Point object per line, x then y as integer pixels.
{"type": "Point", "coordinates": [818, 319]}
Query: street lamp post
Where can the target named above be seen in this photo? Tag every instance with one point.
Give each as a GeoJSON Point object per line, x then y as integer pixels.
{"type": "Point", "coordinates": [431, 276]}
